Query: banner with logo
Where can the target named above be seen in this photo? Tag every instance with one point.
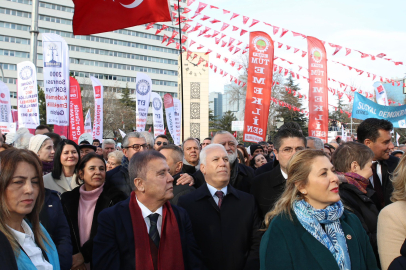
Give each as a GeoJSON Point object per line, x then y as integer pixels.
{"type": "Point", "coordinates": [143, 87]}
{"type": "Point", "coordinates": [88, 123]}
{"type": "Point", "coordinates": [259, 86]}
{"type": "Point", "coordinates": [76, 112]}
{"type": "Point", "coordinates": [364, 108]}
{"type": "Point", "coordinates": [5, 104]}
{"type": "Point", "coordinates": [7, 127]}
{"type": "Point", "coordinates": [170, 114]}
{"type": "Point", "coordinates": [56, 78]}
{"type": "Point", "coordinates": [158, 115]}
{"type": "Point", "coordinates": [318, 91]}
{"type": "Point", "coordinates": [380, 94]}
{"type": "Point", "coordinates": [177, 106]}
{"type": "Point", "coordinates": [27, 95]}
{"type": "Point", "coordinates": [98, 109]}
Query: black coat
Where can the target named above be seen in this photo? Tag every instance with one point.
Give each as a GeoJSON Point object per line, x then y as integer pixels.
{"type": "Point", "coordinates": [114, 243]}
{"type": "Point", "coordinates": [240, 178]}
{"type": "Point", "coordinates": [399, 263]}
{"type": "Point", "coordinates": [228, 237]}
{"type": "Point", "coordinates": [267, 188]}
{"type": "Point", "coordinates": [179, 190]}
{"type": "Point", "coordinates": [119, 178]}
{"type": "Point", "coordinates": [265, 168]}
{"type": "Point", "coordinates": [70, 200]}
{"type": "Point", "coordinates": [7, 258]}
{"type": "Point", "coordinates": [54, 221]}
{"type": "Point", "coordinates": [188, 169]}
{"type": "Point", "coordinates": [364, 208]}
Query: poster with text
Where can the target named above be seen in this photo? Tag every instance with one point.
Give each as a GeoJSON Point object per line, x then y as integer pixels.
{"type": "Point", "coordinates": [98, 109]}
{"type": "Point", "coordinates": [158, 115]}
{"type": "Point", "coordinates": [27, 95]}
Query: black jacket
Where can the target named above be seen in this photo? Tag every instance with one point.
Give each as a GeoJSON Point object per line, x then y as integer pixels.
{"type": "Point", "coordinates": [265, 168]}
{"type": "Point", "coordinates": [7, 258]}
{"type": "Point", "coordinates": [267, 188]}
{"type": "Point", "coordinates": [188, 169]}
{"type": "Point", "coordinates": [399, 263]}
{"type": "Point", "coordinates": [54, 221]}
{"type": "Point", "coordinates": [240, 178]}
{"type": "Point", "coordinates": [364, 208]}
{"type": "Point", "coordinates": [70, 200]}
{"type": "Point", "coordinates": [179, 190]}
{"type": "Point", "coordinates": [119, 178]}
{"type": "Point", "coordinates": [228, 237]}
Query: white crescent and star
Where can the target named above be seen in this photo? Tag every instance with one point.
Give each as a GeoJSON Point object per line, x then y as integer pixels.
{"type": "Point", "coordinates": [134, 4]}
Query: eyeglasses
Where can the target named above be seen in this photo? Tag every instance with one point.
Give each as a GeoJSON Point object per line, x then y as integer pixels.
{"type": "Point", "coordinates": [159, 143]}
{"type": "Point", "coordinates": [289, 150]}
{"type": "Point", "coordinates": [137, 147]}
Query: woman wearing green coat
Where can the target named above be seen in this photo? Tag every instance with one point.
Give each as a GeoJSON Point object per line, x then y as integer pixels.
{"type": "Point", "coordinates": [308, 228]}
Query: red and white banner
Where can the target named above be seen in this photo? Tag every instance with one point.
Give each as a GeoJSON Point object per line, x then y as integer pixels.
{"type": "Point", "coordinates": [27, 95]}
{"type": "Point", "coordinates": [380, 94]}
{"type": "Point", "coordinates": [98, 109]}
{"type": "Point", "coordinates": [76, 113]}
{"type": "Point", "coordinates": [94, 16]}
{"type": "Point", "coordinates": [318, 89]}
{"type": "Point", "coordinates": [158, 115]}
{"type": "Point", "coordinates": [143, 88]}
{"type": "Point", "coordinates": [5, 105]}
{"type": "Point", "coordinates": [177, 106]}
{"type": "Point", "coordinates": [259, 86]}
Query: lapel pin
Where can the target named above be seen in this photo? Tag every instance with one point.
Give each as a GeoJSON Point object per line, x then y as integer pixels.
{"type": "Point", "coordinates": [349, 237]}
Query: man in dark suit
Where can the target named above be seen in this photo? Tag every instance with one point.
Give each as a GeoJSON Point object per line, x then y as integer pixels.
{"type": "Point", "coordinates": [132, 233]}
{"type": "Point", "coordinates": [376, 134]}
{"type": "Point", "coordinates": [225, 220]}
{"type": "Point", "coordinates": [241, 175]}
{"type": "Point", "coordinates": [191, 150]}
{"type": "Point", "coordinates": [268, 187]}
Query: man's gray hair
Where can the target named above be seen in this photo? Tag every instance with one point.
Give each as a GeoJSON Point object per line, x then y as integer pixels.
{"type": "Point", "coordinates": [23, 141]}
{"type": "Point", "coordinates": [224, 132]}
{"type": "Point", "coordinates": [203, 154]}
{"type": "Point", "coordinates": [108, 141]}
{"type": "Point", "coordinates": [118, 155]}
{"type": "Point", "coordinates": [190, 139]}
{"type": "Point", "coordinates": [318, 143]}
{"type": "Point", "coordinates": [126, 139]}
{"type": "Point", "coordinates": [148, 138]}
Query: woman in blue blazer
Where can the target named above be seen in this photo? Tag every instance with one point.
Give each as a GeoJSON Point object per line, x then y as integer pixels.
{"type": "Point", "coordinates": [308, 228]}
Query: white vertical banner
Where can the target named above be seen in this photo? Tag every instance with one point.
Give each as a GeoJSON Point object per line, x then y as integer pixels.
{"type": "Point", "coordinates": [5, 105]}
{"type": "Point", "coordinates": [170, 115]}
{"type": "Point", "coordinates": [177, 105]}
{"type": "Point", "coordinates": [88, 123]}
{"type": "Point", "coordinates": [158, 114]}
{"type": "Point", "coordinates": [27, 95]}
{"type": "Point", "coordinates": [344, 133]}
{"type": "Point", "coordinates": [380, 94]}
{"type": "Point", "coordinates": [397, 139]}
{"type": "Point", "coordinates": [122, 133]}
{"type": "Point", "coordinates": [143, 87]}
{"type": "Point", "coordinates": [98, 109]}
{"type": "Point", "coordinates": [56, 78]}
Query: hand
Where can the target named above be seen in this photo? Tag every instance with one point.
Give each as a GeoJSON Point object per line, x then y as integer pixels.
{"type": "Point", "coordinates": [80, 267]}
{"type": "Point", "coordinates": [77, 261]}
{"type": "Point", "coordinates": [185, 179]}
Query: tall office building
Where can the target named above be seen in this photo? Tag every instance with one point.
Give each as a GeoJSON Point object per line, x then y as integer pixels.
{"type": "Point", "coordinates": [231, 103]}
{"type": "Point", "coordinates": [114, 57]}
{"type": "Point", "coordinates": [216, 104]}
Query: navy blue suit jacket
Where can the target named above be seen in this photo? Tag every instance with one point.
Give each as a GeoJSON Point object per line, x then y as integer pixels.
{"type": "Point", "coordinates": [113, 245]}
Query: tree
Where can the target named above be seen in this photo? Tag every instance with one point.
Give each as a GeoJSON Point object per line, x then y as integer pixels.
{"type": "Point", "coordinates": [224, 123]}
{"type": "Point", "coordinates": [126, 100]}
{"type": "Point", "coordinates": [212, 122]}
{"type": "Point", "coordinates": [42, 106]}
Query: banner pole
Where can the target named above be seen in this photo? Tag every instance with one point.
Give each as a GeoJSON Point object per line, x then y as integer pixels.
{"type": "Point", "coordinates": [181, 68]}
{"type": "Point", "coordinates": [34, 32]}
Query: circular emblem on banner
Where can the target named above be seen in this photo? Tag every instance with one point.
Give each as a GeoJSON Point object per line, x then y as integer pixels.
{"type": "Point", "coordinates": [143, 87]}
{"type": "Point", "coordinates": [2, 95]}
{"type": "Point", "coordinates": [157, 103]}
{"type": "Point", "coordinates": [260, 43]}
{"type": "Point", "coordinates": [26, 73]}
{"type": "Point", "coordinates": [317, 55]}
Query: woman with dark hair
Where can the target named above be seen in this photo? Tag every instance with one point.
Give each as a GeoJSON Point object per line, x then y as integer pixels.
{"type": "Point", "coordinates": [43, 147]}
{"type": "Point", "coordinates": [257, 161]}
{"type": "Point", "coordinates": [63, 176]}
{"type": "Point", "coordinates": [22, 196]}
{"type": "Point", "coordinates": [83, 204]}
{"type": "Point", "coordinates": [245, 154]}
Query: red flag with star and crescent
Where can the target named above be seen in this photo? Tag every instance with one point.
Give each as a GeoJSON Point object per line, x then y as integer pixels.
{"type": "Point", "coordinates": [95, 16]}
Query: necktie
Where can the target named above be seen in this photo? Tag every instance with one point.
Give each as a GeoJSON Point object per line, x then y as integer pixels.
{"type": "Point", "coordinates": [153, 229]}
{"type": "Point", "coordinates": [220, 195]}
{"type": "Point", "coordinates": [377, 184]}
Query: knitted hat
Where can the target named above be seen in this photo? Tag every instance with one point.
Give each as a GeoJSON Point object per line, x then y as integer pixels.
{"type": "Point", "coordinates": [36, 143]}
{"type": "Point", "coordinates": [11, 137]}
{"type": "Point", "coordinates": [255, 147]}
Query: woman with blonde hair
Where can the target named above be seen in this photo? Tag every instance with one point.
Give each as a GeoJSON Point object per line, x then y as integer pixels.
{"type": "Point", "coordinates": [308, 227]}
{"type": "Point", "coordinates": [392, 220]}
{"type": "Point", "coordinates": [114, 159]}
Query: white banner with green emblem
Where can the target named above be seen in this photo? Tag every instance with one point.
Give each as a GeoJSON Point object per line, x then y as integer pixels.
{"type": "Point", "coordinates": [158, 114]}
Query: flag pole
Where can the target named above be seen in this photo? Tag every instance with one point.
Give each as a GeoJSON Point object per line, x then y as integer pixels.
{"type": "Point", "coordinates": [181, 69]}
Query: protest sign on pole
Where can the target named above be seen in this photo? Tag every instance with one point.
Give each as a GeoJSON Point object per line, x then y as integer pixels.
{"type": "Point", "coordinates": [380, 94]}
{"type": "Point", "coordinates": [56, 78]}
{"type": "Point", "coordinates": [5, 105]}
{"type": "Point", "coordinates": [158, 115]}
{"type": "Point", "coordinates": [318, 91]}
{"type": "Point", "coordinates": [259, 86]}
{"type": "Point", "coordinates": [98, 109]}
{"type": "Point", "coordinates": [143, 87]}
{"type": "Point", "coordinates": [88, 122]}
{"type": "Point", "coordinates": [170, 114]}
{"type": "Point", "coordinates": [177, 106]}
{"type": "Point", "coordinates": [27, 95]}
{"type": "Point", "coordinates": [76, 112]}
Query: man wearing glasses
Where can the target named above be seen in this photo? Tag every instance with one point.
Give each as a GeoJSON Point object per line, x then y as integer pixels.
{"type": "Point", "coordinates": [268, 187]}
{"type": "Point", "coordinates": [160, 141]}
{"type": "Point", "coordinates": [133, 143]}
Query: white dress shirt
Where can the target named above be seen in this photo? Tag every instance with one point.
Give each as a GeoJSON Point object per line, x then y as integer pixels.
{"type": "Point", "coordinates": [285, 175]}
{"type": "Point", "coordinates": [213, 191]}
{"type": "Point", "coordinates": [378, 172]}
{"type": "Point", "coordinates": [146, 212]}
{"type": "Point", "coordinates": [27, 242]}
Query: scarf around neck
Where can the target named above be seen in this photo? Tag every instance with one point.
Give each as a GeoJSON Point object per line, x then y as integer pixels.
{"type": "Point", "coordinates": [170, 248]}
{"type": "Point", "coordinates": [357, 180]}
{"type": "Point", "coordinates": [333, 236]}
{"type": "Point", "coordinates": [124, 162]}
{"type": "Point", "coordinates": [47, 167]}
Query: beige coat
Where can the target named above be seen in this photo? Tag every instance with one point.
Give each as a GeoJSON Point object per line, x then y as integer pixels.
{"type": "Point", "coordinates": [60, 185]}
{"type": "Point", "coordinates": [391, 232]}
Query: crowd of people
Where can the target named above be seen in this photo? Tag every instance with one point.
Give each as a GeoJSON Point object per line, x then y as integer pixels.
{"type": "Point", "coordinates": [290, 203]}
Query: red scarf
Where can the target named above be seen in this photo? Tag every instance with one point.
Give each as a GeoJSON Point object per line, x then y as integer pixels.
{"type": "Point", "coordinates": [357, 180]}
{"type": "Point", "coordinates": [170, 248]}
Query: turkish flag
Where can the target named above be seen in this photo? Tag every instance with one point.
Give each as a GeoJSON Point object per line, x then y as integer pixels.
{"type": "Point", "coordinates": [94, 16]}
{"type": "Point", "coordinates": [235, 134]}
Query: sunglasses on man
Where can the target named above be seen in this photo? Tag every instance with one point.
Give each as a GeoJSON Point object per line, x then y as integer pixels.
{"type": "Point", "coordinates": [159, 143]}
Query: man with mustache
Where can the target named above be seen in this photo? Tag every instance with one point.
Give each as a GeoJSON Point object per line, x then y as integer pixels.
{"type": "Point", "coordinates": [191, 150]}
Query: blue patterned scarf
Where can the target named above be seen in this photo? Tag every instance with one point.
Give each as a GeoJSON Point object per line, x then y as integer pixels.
{"type": "Point", "coordinates": [333, 237]}
{"type": "Point", "coordinates": [124, 162]}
